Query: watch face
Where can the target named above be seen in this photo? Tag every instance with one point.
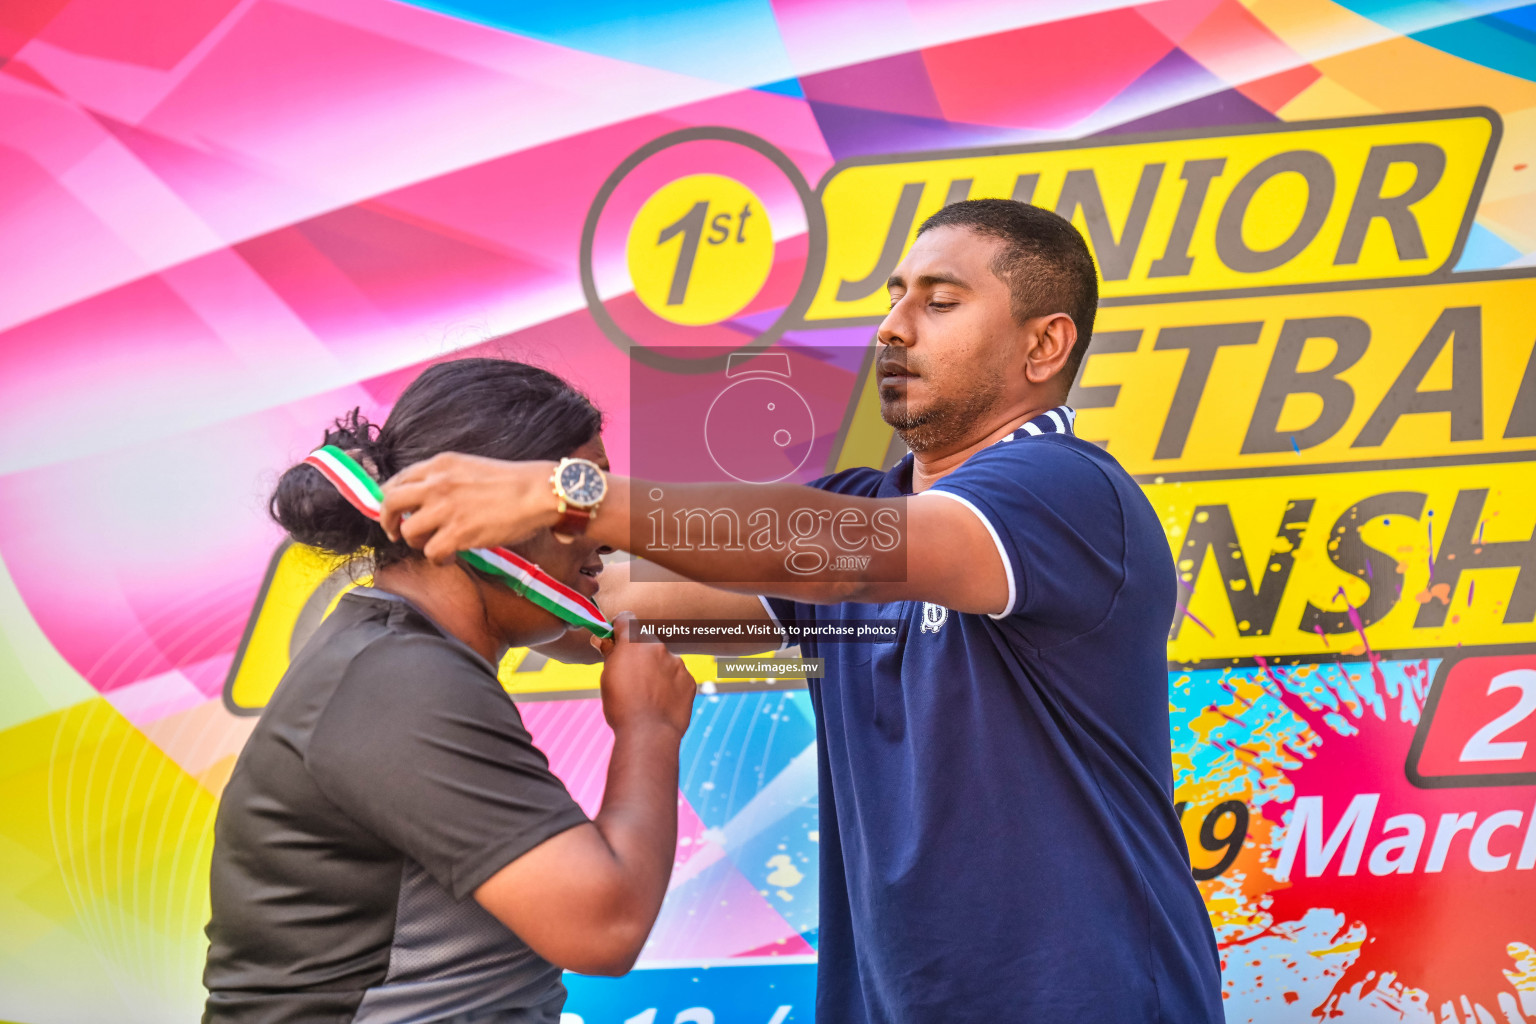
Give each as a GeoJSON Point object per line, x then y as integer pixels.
{"type": "Point", "coordinates": [582, 483]}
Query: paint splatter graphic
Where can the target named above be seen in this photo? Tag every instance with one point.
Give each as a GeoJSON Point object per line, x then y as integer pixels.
{"type": "Point", "coordinates": [1421, 945]}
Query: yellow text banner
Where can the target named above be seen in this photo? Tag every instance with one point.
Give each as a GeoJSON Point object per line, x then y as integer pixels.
{"type": "Point", "coordinates": [1272, 206]}
{"type": "Point", "coordinates": [1401, 559]}
{"type": "Point", "coordinates": [1271, 383]}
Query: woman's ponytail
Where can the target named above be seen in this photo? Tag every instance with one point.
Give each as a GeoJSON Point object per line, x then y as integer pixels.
{"type": "Point", "coordinates": [492, 407]}
{"type": "Point", "coordinates": [314, 512]}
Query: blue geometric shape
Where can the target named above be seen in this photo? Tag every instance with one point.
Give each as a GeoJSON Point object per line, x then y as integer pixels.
{"type": "Point", "coordinates": [1521, 18]}
{"type": "Point", "coordinates": [733, 994]}
{"type": "Point", "coordinates": [737, 745]}
{"type": "Point", "coordinates": [1485, 250]}
{"type": "Point", "coordinates": [789, 844]}
{"type": "Point", "coordinates": [731, 41]}
{"type": "Point", "coordinates": [788, 87]}
{"type": "Point", "coordinates": [1494, 34]}
{"type": "Point", "coordinates": [748, 770]}
{"type": "Point", "coordinates": [1410, 16]}
{"type": "Point", "coordinates": [1487, 41]}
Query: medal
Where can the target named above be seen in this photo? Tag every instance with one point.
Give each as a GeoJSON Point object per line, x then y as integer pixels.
{"type": "Point", "coordinates": [522, 576]}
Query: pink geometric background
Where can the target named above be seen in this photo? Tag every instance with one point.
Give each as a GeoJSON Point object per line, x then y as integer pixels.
{"type": "Point", "coordinates": [223, 222]}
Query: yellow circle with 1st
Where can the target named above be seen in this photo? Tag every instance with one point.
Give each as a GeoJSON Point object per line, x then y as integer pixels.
{"type": "Point", "coordinates": [700, 249]}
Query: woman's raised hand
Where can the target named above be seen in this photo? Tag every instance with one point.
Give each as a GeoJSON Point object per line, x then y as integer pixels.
{"type": "Point", "coordinates": [643, 683]}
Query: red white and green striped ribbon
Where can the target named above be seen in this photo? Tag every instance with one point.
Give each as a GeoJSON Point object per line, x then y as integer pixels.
{"type": "Point", "coordinates": [525, 578]}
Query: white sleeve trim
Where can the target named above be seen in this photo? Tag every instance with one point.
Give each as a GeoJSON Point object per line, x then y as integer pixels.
{"type": "Point", "coordinates": [1013, 594]}
{"type": "Point", "coordinates": [783, 637]}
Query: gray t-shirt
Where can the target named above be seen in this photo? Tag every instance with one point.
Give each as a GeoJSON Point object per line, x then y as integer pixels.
{"type": "Point", "coordinates": [389, 778]}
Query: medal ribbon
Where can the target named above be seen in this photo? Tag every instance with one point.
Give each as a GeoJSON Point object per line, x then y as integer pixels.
{"type": "Point", "coordinates": [522, 576]}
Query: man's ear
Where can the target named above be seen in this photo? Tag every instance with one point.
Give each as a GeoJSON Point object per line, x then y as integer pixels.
{"type": "Point", "coordinates": [1055, 337]}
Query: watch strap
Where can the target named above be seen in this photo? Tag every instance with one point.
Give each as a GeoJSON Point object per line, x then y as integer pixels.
{"type": "Point", "coordinates": [573, 521]}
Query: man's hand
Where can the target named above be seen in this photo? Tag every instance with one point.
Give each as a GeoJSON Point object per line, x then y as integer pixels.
{"type": "Point", "coordinates": [451, 503]}
{"type": "Point", "coordinates": [643, 684]}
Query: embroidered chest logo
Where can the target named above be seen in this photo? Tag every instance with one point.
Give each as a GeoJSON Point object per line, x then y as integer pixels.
{"type": "Point", "coordinates": [934, 616]}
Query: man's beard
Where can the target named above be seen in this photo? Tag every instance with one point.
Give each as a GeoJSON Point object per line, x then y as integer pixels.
{"type": "Point", "coordinates": [947, 421]}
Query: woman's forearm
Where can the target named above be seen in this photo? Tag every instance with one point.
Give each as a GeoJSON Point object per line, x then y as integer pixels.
{"type": "Point", "coordinates": [638, 820]}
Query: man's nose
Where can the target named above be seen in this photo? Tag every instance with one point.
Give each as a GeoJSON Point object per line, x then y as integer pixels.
{"type": "Point", "coordinates": [896, 328]}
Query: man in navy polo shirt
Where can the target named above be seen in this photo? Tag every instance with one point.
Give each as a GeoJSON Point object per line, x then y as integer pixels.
{"type": "Point", "coordinates": [998, 837]}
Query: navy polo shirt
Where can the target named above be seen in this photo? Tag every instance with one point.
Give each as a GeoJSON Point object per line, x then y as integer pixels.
{"type": "Point", "coordinates": [998, 837]}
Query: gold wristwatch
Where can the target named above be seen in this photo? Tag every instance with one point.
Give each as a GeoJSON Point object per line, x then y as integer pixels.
{"type": "Point", "coordinates": [580, 486]}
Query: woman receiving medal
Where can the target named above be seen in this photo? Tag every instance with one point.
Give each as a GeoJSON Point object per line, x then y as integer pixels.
{"type": "Point", "coordinates": [391, 845]}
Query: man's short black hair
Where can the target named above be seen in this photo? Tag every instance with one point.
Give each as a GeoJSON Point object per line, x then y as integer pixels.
{"type": "Point", "coordinates": [1044, 261]}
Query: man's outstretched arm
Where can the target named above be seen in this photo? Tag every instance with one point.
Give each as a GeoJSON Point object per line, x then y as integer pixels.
{"type": "Point", "coordinates": [925, 548]}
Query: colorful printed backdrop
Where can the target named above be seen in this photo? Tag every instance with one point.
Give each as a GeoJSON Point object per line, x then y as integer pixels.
{"type": "Point", "coordinates": [223, 222]}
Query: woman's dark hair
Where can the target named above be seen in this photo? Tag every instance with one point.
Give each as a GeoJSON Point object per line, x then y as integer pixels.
{"type": "Point", "coordinates": [491, 407]}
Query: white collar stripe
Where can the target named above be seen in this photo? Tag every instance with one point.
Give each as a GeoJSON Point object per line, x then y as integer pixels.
{"type": "Point", "coordinates": [1059, 420]}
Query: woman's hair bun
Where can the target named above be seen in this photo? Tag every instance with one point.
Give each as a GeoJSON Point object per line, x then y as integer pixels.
{"type": "Point", "coordinates": [310, 507]}
{"type": "Point", "coordinates": [495, 408]}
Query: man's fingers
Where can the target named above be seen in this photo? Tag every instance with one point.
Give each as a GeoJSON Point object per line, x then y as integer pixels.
{"type": "Point", "coordinates": [436, 534]}
{"type": "Point", "coordinates": [406, 492]}
{"type": "Point", "coordinates": [401, 498]}
{"type": "Point", "coordinates": [443, 505]}
{"type": "Point", "coordinates": [423, 524]}
{"type": "Point", "coordinates": [443, 546]}
{"type": "Point", "coordinates": [390, 520]}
